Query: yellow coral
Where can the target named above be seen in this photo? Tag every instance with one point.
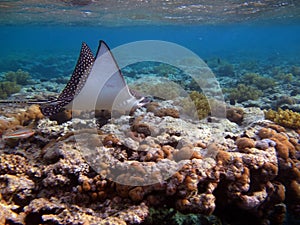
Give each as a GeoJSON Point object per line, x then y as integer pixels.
{"type": "Point", "coordinates": [199, 105]}
{"type": "Point", "coordinates": [286, 118]}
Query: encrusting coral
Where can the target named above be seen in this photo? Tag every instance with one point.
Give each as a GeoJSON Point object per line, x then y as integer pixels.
{"type": "Point", "coordinates": [244, 143]}
{"type": "Point", "coordinates": [161, 88]}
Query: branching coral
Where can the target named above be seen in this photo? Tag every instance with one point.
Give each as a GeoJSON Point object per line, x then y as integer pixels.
{"type": "Point", "coordinates": [7, 88]}
{"type": "Point", "coordinates": [20, 77]}
{"type": "Point", "coordinates": [243, 93]}
{"type": "Point", "coordinates": [258, 81]}
{"type": "Point", "coordinates": [286, 118]}
{"type": "Point", "coordinates": [197, 103]}
{"type": "Point", "coordinates": [250, 87]}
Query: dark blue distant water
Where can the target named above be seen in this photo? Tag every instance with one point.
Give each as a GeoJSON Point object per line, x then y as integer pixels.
{"type": "Point", "coordinates": [235, 42]}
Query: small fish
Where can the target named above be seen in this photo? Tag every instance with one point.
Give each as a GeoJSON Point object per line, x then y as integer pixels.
{"type": "Point", "coordinates": [18, 134]}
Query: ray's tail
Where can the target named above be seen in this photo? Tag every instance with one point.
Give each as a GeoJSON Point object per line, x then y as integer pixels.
{"type": "Point", "coordinates": [31, 102]}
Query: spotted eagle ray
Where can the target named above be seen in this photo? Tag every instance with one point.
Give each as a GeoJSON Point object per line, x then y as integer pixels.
{"type": "Point", "coordinates": [96, 83]}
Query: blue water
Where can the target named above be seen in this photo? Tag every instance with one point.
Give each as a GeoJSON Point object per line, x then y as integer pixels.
{"type": "Point", "coordinates": [270, 43]}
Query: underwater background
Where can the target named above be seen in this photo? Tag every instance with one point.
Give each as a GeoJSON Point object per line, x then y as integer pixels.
{"type": "Point", "coordinates": [29, 46]}
{"type": "Point", "coordinates": [266, 32]}
{"type": "Point", "coordinates": [253, 50]}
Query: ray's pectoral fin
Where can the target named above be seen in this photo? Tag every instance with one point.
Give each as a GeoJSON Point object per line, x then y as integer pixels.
{"type": "Point", "coordinates": [75, 84]}
{"type": "Point", "coordinates": [105, 87]}
{"type": "Point", "coordinates": [115, 95]}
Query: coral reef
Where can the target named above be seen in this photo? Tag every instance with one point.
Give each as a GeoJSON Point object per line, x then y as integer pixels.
{"type": "Point", "coordinates": [149, 168]}
{"type": "Point", "coordinates": [286, 118]}
{"type": "Point", "coordinates": [287, 149]}
{"type": "Point", "coordinates": [250, 86]}
{"type": "Point", "coordinates": [11, 121]}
